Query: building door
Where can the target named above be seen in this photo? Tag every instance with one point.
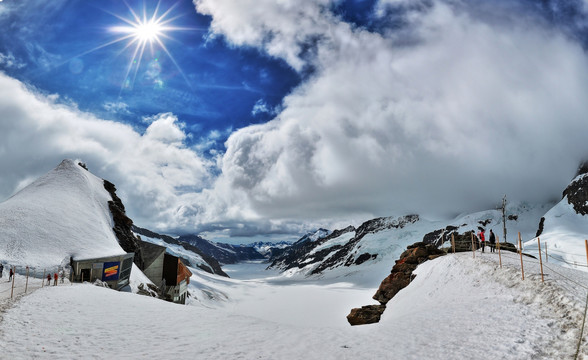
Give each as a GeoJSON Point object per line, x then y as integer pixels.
{"type": "Point", "coordinates": [85, 275]}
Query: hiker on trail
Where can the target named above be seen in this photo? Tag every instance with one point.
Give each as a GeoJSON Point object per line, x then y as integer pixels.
{"type": "Point", "coordinates": [492, 241]}
{"type": "Point", "coordinates": [1, 270]}
{"type": "Point", "coordinates": [48, 279]}
{"type": "Point", "coordinates": [11, 274]}
{"type": "Point", "coordinates": [55, 279]}
{"type": "Point", "coordinates": [482, 239]}
{"type": "Point", "coordinates": [62, 275]}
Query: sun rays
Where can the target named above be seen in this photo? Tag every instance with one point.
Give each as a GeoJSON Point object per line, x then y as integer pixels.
{"type": "Point", "coordinates": [144, 32]}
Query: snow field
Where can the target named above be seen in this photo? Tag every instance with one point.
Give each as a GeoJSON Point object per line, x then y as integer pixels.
{"type": "Point", "coordinates": [456, 308]}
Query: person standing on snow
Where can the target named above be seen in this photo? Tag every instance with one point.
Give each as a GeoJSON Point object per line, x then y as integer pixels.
{"type": "Point", "coordinates": [48, 279]}
{"type": "Point", "coordinates": [11, 274]}
{"type": "Point", "coordinates": [1, 270]}
{"type": "Point", "coordinates": [482, 239]}
{"type": "Point", "coordinates": [55, 277]}
{"type": "Point", "coordinates": [492, 241]}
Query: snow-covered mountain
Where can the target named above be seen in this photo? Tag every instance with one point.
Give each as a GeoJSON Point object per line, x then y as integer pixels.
{"type": "Point", "coordinates": [191, 255]}
{"type": "Point", "coordinates": [223, 253]}
{"type": "Point", "coordinates": [564, 228]}
{"type": "Point", "coordinates": [63, 213]}
{"type": "Point", "coordinates": [375, 244]}
{"type": "Point", "coordinates": [268, 249]}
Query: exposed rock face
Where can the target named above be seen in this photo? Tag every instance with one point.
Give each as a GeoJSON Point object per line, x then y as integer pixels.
{"type": "Point", "coordinates": [224, 253]}
{"type": "Point", "coordinates": [299, 254]}
{"type": "Point", "coordinates": [577, 194]}
{"type": "Point", "coordinates": [123, 225]}
{"type": "Point", "coordinates": [368, 314]}
{"type": "Point", "coordinates": [401, 274]}
{"type": "Point", "coordinates": [399, 278]}
{"type": "Point", "coordinates": [305, 253]}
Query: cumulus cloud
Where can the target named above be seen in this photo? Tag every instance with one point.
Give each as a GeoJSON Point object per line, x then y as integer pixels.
{"type": "Point", "coordinates": [471, 108]}
{"type": "Point", "coordinates": [155, 172]}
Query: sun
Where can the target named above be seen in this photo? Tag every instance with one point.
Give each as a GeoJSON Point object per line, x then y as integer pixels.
{"type": "Point", "coordinates": [143, 31]}
{"type": "Point", "coordinates": [148, 31]}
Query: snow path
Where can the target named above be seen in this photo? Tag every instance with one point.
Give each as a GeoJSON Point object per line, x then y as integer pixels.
{"type": "Point", "coordinates": [456, 308]}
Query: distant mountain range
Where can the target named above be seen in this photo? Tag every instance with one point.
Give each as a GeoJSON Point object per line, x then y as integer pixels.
{"type": "Point", "coordinates": [70, 212]}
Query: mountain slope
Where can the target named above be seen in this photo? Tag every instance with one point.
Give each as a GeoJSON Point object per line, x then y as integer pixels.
{"type": "Point", "coordinates": [190, 254]}
{"type": "Point", "coordinates": [223, 253]}
{"type": "Point", "coordinates": [64, 213]}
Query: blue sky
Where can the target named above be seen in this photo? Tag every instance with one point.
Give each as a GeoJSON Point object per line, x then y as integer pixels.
{"type": "Point", "coordinates": [266, 118]}
{"type": "Point", "coordinates": [211, 86]}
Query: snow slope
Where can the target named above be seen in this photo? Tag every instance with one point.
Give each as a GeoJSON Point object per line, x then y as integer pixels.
{"type": "Point", "coordinates": [458, 307]}
{"type": "Point", "coordinates": [564, 235]}
{"type": "Point", "coordinates": [64, 213]}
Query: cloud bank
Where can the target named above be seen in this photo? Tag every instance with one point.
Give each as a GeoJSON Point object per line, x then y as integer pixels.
{"type": "Point", "coordinates": [445, 113]}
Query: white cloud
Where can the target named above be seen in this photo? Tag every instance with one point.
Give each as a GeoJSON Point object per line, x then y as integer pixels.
{"type": "Point", "coordinates": [154, 172]}
{"type": "Point", "coordinates": [117, 108]}
{"type": "Point", "coordinates": [467, 111]}
{"type": "Point", "coordinates": [10, 62]}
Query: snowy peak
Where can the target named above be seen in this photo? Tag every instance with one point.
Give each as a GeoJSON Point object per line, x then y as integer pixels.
{"type": "Point", "coordinates": [223, 253]}
{"type": "Point", "coordinates": [63, 213]}
{"type": "Point", "coordinates": [313, 236]}
{"type": "Point", "coordinates": [343, 247]}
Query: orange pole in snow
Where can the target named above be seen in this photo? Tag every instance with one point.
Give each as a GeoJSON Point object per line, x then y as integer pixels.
{"type": "Point", "coordinates": [521, 253]}
{"type": "Point", "coordinates": [540, 260]}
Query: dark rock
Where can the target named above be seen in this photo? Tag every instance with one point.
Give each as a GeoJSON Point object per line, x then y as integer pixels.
{"type": "Point", "coordinates": [577, 194]}
{"type": "Point", "coordinates": [541, 225]}
{"type": "Point", "coordinates": [485, 222]}
{"type": "Point", "coordinates": [368, 314]}
{"type": "Point", "coordinates": [123, 225]}
{"type": "Point", "coordinates": [364, 257]}
{"type": "Point", "coordinates": [402, 272]}
{"type": "Point", "coordinates": [513, 217]}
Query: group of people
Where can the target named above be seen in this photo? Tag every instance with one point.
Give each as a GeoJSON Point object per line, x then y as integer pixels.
{"type": "Point", "coordinates": [482, 239]}
{"type": "Point", "coordinates": [55, 277]}
{"type": "Point", "coordinates": [11, 273]}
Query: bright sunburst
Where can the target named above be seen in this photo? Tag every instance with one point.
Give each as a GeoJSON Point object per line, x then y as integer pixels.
{"type": "Point", "coordinates": [143, 32]}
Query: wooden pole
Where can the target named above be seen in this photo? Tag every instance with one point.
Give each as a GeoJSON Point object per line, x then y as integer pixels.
{"type": "Point", "coordinates": [586, 243]}
{"type": "Point", "coordinates": [43, 278]}
{"type": "Point", "coordinates": [13, 276]}
{"type": "Point", "coordinates": [473, 250]}
{"type": "Point", "coordinates": [27, 283]}
{"type": "Point", "coordinates": [499, 256]}
{"type": "Point", "coordinates": [521, 254]}
{"type": "Point", "coordinates": [540, 260]}
{"type": "Point", "coordinates": [453, 243]}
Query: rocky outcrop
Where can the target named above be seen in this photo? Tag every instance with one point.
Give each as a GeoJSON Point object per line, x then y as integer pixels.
{"type": "Point", "coordinates": [368, 314]}
{"type": "Point", "coordinates": [123, 225]}
{"type": "Point", "coordinates": [399, 278]}
{"type": "Point", "coordinates": [577, 194]}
